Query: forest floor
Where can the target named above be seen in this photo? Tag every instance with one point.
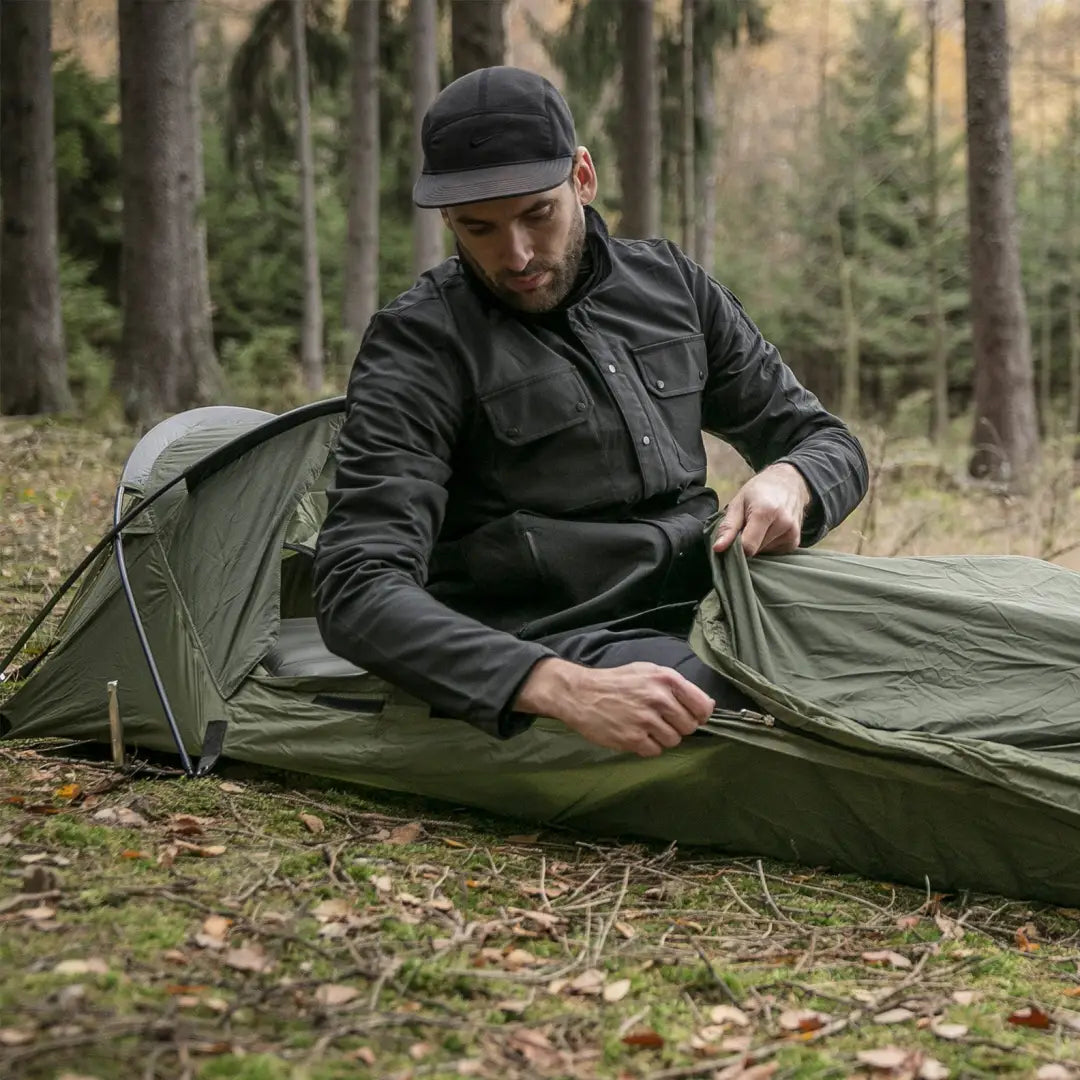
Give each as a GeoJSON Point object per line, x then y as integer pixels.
{"type": "Point", "coordinates": [256, 925]}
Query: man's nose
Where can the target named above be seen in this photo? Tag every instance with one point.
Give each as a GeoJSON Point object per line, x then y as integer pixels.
{"type": "Point", "coordinates": [519, 250]}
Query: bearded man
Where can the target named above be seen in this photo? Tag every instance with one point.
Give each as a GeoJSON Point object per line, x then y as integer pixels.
{"type": "Point", "coordinates": [519, 521]}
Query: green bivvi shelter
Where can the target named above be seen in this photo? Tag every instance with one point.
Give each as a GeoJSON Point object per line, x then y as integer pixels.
{"type": "Point", "coordinates": [920, 716]}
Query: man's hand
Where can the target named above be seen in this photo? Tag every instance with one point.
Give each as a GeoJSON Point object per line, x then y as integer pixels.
{"type": "Point", "coordinates": [639, 708]}
{"type": "Point", "coordinates": [769, 509]}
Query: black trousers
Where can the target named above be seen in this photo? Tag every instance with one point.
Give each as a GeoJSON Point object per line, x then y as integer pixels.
{"type": "Point", "coordinates": [607, 648]}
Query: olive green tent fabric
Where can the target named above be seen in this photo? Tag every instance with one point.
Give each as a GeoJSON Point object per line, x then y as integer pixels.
{"type": "Point", "coordinates": [924, 709]}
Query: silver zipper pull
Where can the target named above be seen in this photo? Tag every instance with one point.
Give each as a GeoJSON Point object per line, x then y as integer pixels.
{"type": "Point", "coordinates": [747, 715]}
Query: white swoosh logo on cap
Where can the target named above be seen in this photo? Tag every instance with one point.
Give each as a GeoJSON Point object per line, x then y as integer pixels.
{"type": "Point", "coordinates": [479, 140]}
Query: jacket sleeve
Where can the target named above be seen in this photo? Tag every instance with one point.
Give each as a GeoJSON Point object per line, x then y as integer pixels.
{"type": "Point", "coordinates": [753, 401]}
{"type": "Point", "coordinates": [406, 402]}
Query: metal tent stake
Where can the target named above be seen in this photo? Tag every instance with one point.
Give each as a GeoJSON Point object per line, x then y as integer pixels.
{"type": "Point", "coordinates": [116, 728]}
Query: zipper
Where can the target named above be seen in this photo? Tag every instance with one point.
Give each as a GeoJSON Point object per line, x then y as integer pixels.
{"type": "Point", "coordinates": [747, 715]}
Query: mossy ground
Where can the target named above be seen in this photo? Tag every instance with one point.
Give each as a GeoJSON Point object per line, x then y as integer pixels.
{"type": "Point", "coordinates": [263, 926]}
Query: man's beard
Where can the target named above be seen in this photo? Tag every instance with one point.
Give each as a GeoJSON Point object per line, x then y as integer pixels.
{"type": "Point", "coordinates": [563, 274]}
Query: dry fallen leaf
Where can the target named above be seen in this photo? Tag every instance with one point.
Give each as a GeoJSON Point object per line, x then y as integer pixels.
{"type": "Point", "coordinates": [949, 928]}
{"type": "Point", "coordinates": [216, 925]}
{"type": "Point", "coordinates": [626, 930]}
{"type": "Point", "coordinates": [364, 1054]}
{"type": "Point", "coordinates": [729, 1014]}
{"type": "Point", "coordinates": [803, 1020]}
{"type": "Point", "coordinates": [15, 1036]}
{"type": "Point", "coordinates": [884, 1057]}
{"type": "Point", "coordinates": [1031, 1016]}
{"type": "Point", "coordinates": [535, 1047]}
{"type": "Point", "coordinates": [1055, 1071]}
{"type": "Point", "coordinates": [887, 956]}
{"type": "Point", "coordinates": [200, 851]}
{"type": "Point", "coordinates": [644, 1038]}
{"type": "Point", "coordinates": [1023, 939]}
{"type": "Point", "coordinates": [964, 997]}
{"type": "Point", "coordinates": [230, 788]}
{"type": "Point", "coordinates": [616, 991]}
{"type": "Point", "coordinates": [932, 1069]}
{"type": "Point", "coordinates": [738, 1071]}
{"type": "Point", "coordinates": [518, 958]}
{"type": "Point", "coordinates": [314, 824]}
{"type": "Point", "coordinates": [419, 1051]}
{"type": "Point", "coordinates": [382, 883]}
{"type": "Point", "coordinates": [68, 791]}
{"type": "Point", "coordinates": [590, 981]}
{"type": "Point", "coordinates": [248, 958]}
{"type": "Point", "coordinates": [405, 834]}
{"type": "Point", "coordinates": [93, 966]}
{"type": "Point", "coordinates": [949, 1031]}
{"type": "Point", "coordinates": [331, 994]}
{"type": "Point", "coordinates": [894, 1016]}
{"type": "Point", "coordinates": [119, 815]}
{"type": "Point", "coordinates": [174, 956]}
{"type": "Point", "coordinates": [331, 909]}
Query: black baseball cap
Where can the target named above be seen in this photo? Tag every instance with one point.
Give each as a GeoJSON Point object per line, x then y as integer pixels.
{"type": "Point", "coordinates": [493, 134]}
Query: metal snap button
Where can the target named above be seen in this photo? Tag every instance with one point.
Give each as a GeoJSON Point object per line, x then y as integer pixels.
{"type": "Point", "coordinates": [646, 440]}
{"type": "Point", "coordinates": [513, 432]}
{"type": "Point", "coordinates": [581, 406]}
{"type": "Point", "coordinates": [611, 368]}
{"type": "Point", "coordinates": [659, 384]}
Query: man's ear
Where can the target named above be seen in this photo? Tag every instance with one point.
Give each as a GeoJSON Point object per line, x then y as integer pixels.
{"type": "Point", "coordinates": [584, 173]}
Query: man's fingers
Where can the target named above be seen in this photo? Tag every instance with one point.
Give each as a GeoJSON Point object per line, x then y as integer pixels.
{"type": "Point", "coordinates": [693, 699]}
{"type": "Point", "coordinates": [754, 532]}
{"type": "Point", "coordinates": [734, 516]}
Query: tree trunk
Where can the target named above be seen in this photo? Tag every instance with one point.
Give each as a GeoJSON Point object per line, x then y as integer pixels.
{"type": "Point", "coordinates": [311, 335]}
{"type": "Point", "coordinates": [154, 104]}
{"type": "Point", "coordinates": [478, 34]}
{"type": "Point", "coordinates": [33, 364]}
{"type": "Point", "coordinates": [1046, 290]}
{"type": "Point", "coordinates": [939, 361]}
{"type": "Point", "coordinates": [850, 397]}
{"type": "Point", "coordinates": [427, 224]}
{"type": "Point", "coordinates": [640, 127]}
{"type": "Point", "coordinates": [362, 246]}
{"type": "Point", "coordinates": [1005, 437]}
{"type": "Point", "coordinates": [1072, 284]}
{"type": "Point", "coordinates": [704, 154]}
{"type": "Point", "coordinates": [686, 164]}
{"type": "Point", "coordinates": [204, 377]}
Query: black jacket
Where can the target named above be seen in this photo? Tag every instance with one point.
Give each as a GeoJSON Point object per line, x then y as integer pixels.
{"type": "Point", "coordinates": [502, 476]}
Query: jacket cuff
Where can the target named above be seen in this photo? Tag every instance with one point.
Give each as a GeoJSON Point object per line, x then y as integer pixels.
{"type": "Point", "coordinates": [506, 723]}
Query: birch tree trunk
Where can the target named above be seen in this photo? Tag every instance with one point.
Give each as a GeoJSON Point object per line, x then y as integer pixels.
{"type": "Point", "coordinates": [362, 245]}
{"type": "Point", "coordinates": [478, 34]}
{"type": "Point", "coordinates": [1005, 436]}
{"type": "Point", "coordinates": [33, 363]}
{"type": "Point", "coordinates": [154, 104]}
{"type": "Point", "coordinates": [311, 334]}
{"type": "Point", "coordinates": [427, 224]}
{"type": "Point", "coordinates": [640, 127]}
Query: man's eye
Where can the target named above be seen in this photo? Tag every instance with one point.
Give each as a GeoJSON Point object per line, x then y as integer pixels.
{"type": "Point", "coordinates": [477, 230]}
{"type": "Point", "coordinates": [542, 214]}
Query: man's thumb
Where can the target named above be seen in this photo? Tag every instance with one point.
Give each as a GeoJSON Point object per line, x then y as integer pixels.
{"type": "Point", "coordinates": [730, 525]}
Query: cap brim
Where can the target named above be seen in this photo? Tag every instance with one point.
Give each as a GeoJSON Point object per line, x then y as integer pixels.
{"type": "Point", "coordinates": [436, 190]}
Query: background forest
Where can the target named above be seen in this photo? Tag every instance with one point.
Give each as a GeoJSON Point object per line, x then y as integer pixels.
{"type": "Point", "coordinates": [809, 153]}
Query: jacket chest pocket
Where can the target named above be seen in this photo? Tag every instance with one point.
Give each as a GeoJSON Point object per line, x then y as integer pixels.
{"type": "Point", "coordinates": [674, 374]}
{"type": "Point", "coordinates": [545, 451]}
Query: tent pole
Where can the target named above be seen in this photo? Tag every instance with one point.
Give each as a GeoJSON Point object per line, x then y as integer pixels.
{"type": "Point", "coordinates": [121, 566]}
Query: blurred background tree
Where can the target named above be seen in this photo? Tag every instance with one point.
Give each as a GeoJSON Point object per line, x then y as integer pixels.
{"type": "Point", "coordinates": [809, 153]}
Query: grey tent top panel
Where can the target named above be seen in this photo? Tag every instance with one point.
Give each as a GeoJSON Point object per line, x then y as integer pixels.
{"type": "Point", "coordinates": [300, 650]}
{"type": "Point", "coordinates": [141, 460]}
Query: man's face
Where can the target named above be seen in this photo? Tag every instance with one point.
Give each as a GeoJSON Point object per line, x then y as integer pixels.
{"type": "Point", "coordinates": [528, 249]}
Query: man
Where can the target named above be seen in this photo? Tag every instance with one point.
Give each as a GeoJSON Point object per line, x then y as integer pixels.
{"type": "Point", "coordinates": [517, 526]}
